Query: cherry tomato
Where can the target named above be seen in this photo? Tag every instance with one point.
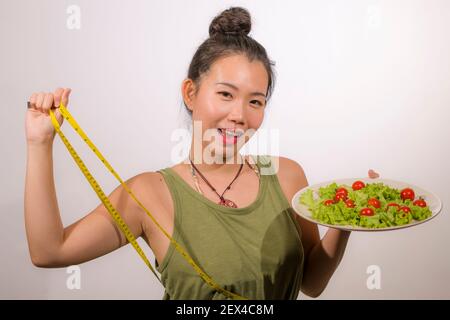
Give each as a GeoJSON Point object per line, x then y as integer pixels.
{"type": "Point", "coordinates": [407, 193]}
{"type": "Point", "coordinates": [392, 204]}
{"type": "Point", "coordinates": [374, 203]}
{"type": "Point", "coordinates": [328, 202]}
{"type": "Point", "coordinates": [420, 203]}
{"type": "Point", "coordinates": [350, 203]}
{"type": "Point", "coordinates": [366, 212]}
{"type": "Point", "coordinates": [405, 209]}
{"type": "Point", "coordinates": [340, 196]}
{"type": "Point", "coordinates": [357, 185]}
{"type": "Point", "coordinates": [342, 190]}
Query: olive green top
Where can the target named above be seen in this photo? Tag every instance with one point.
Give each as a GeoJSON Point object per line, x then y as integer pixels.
{"type": "Point", "coordinates": [255, 251]}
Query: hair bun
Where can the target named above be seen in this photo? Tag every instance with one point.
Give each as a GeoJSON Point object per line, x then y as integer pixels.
{"type": "Point", "coordinates": [233, 21]}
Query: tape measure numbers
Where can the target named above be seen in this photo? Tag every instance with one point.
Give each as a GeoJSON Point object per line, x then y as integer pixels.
{"type": "Point", "coordinates": [113, 212]}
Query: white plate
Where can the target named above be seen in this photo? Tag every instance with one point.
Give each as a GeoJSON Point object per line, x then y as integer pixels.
{"type": "Point", "coordinates": [433, 202]}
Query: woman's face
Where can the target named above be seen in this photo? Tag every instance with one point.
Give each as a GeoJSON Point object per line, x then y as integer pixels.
{"type": "Point", "coordinates": [231, 96]}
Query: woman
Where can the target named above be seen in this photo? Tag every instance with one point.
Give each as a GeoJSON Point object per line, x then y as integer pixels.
{"type": "Point", "coordinates": [234, 219]}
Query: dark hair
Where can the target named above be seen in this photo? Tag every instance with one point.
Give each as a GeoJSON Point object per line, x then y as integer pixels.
{"type": "Point", "coordinates": [228, 35]}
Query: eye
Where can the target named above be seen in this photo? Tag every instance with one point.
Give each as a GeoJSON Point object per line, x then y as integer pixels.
{"type": "Point", "coordinates": [258, 102]}
{"type": "Point", "coordinates": [224, 93]}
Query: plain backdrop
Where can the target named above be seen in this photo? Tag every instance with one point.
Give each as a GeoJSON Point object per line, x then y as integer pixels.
{"type": "Point", "coordinates": [360, 84]}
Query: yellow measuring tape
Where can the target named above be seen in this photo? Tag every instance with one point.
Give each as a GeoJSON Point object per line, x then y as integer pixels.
{"type": "Point", "coordinates": [113, 212]}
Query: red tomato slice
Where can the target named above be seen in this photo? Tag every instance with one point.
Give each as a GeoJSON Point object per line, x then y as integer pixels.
{"type": "Point", "coordinates": [420, 203]}
{"type": "Point", "coordinates": [366, 212]}
{"type": "Point", "coordinates": [405, 209]}
{"type": "Point", "coordinates": [342, 190]}
{"type": "Point", "coordinates": [357, 185]}
{"type": "Point", "coordinates": [350, 203]}
{"type": "Point", "coordinates": [407, 193]}
{"type": "Point", "coordinates": [374, 203]}
{"type": "Point", "coordinates": [340, 196]}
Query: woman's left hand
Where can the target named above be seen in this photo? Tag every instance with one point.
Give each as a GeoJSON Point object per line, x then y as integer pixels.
{"type": "Point", "coordinates": [373, 174]}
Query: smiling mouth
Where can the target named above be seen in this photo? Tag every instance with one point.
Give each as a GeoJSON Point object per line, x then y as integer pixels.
{"type": "Point", "coordinates": [230, 132]}
{"type": "Point", "coordinates": [229, 136]}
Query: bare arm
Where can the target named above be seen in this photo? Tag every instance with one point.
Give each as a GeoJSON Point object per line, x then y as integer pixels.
{"type": "Point", "coordinates": [50, 244]}
{"type": "Point", "coordinates": [96, 234]}
{"type": "Point", "coordinates": [323, 260]}
{"type": "Point", "coordinates": [322, 256]}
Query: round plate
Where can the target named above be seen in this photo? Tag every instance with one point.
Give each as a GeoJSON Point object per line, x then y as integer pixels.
{"type": "Point", "coordinates": [433, 202]}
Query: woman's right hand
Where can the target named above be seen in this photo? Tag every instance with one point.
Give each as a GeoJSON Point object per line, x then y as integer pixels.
{"type": "Point", "coordinates": [38, 125]}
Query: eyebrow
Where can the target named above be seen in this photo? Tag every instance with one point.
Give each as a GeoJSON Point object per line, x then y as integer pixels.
{"type": "Point", "coordinates": [237, 89]}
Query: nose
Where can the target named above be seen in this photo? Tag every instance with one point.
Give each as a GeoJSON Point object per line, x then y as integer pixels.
{"type": "Point", "coordinates": [237, 113]}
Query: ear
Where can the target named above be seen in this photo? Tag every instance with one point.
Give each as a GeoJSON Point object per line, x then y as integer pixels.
{"type": "Point", "coordinates": [188, 92]}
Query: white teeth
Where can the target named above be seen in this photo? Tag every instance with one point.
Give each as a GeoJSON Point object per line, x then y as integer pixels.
{"type": "Point", "coordinates": [232, 133]}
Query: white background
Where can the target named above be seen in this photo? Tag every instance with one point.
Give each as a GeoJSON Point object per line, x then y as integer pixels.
{"type": "Point", "coordinates": [360, 84]}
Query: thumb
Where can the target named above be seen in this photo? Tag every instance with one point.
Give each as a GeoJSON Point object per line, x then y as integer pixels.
{"type": "Point", "coordinates": [59, 117]}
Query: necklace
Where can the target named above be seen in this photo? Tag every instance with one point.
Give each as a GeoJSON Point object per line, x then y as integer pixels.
{"type": "Point", "coordinates": [223, 201]}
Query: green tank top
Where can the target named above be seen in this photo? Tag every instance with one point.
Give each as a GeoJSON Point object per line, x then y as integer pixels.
{"type": "Point", "coordinates": [254, 251]}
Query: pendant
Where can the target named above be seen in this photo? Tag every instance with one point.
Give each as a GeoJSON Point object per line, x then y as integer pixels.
{"type": "Point", "coordinates": [227, 203]}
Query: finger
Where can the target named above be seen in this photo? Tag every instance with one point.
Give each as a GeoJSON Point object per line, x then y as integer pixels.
{"type": "Point", "coordinates": [65, 96]}
{"type": "Point", "coordinates": [57, 97]}
{"type": "Point", "coordinates": [48, 102]}
{"type": "Point", "coordinates": [373, 174]}
{"type": "Point", "coordinates": [39, 100]}
{"type": "Point", "coordinates": [33, 100]}
{"type": "Point", "coordinates": [59, 116]}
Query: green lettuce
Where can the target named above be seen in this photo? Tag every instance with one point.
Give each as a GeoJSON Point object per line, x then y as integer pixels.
{"type": "Point", "coordinates": [339, 214]}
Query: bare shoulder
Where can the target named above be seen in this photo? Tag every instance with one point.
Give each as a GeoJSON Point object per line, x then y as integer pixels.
{"type": "Point", "coordinates": [144, 182]}
{"type": "Point", "coordinates": [155, 196]}
{"type": "Point", "coordinates": [290, 174]}
{"type": "Point", "coordinates": [151, 179]}
{"type": "Point", "coordinates": [151, 186]}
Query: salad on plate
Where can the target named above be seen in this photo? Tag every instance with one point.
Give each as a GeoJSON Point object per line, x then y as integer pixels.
{"type": "Point", "coordinates": [364, 205]}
